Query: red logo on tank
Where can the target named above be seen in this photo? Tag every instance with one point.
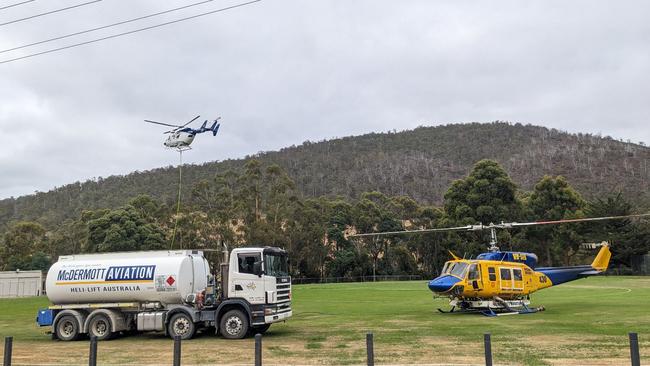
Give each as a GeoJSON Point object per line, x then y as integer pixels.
{"type": "Point", "coordinates": [170, 280]}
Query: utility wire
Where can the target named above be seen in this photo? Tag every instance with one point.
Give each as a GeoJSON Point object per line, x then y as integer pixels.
{"type": "Point", "coordinates": [130, 32]}
{"type": "Point", "coordinates": [50, 12]}
{"type": "Point", "coordinates": [104, 27]}
{"type": "Point", "coordinates": [16, 4]}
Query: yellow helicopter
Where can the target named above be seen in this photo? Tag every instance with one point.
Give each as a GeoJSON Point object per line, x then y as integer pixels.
{"type": "Point", "coordinates": [500, 282]}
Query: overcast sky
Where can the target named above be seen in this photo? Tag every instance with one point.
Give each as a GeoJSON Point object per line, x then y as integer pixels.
{"type": "Point", "coordinates": [280, 72]}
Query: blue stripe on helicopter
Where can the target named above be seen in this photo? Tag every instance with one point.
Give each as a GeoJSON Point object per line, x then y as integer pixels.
{"type": "Point", "coordinates": [559, 275]}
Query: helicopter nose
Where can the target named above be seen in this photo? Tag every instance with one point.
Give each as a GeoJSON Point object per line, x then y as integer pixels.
{"type": "Point", "coordinates": [443, 283]}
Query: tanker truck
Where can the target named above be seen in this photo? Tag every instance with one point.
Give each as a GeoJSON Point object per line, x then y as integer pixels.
{"type": "Point", "coordinates": [102, 295]}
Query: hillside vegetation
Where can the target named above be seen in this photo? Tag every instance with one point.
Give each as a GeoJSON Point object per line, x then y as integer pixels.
{"type": "Point", "coordinates": [419, 163]}
{"type": "Point", "coordinates": [258, 202]}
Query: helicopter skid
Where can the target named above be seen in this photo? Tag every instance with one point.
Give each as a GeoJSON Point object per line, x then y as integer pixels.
{"type": "Point", "coordinates": [489, 304]}
{"type": "Point", "coordinates": [460, 311]}
{"type": "Point", "coordinates": [491, 308]}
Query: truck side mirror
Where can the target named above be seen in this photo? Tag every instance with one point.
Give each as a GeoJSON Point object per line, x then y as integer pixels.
{"type": "Point", "coordinates": [257, 268]}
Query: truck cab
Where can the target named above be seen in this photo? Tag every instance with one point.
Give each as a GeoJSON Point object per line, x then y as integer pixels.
{"type": "Point", "coordinates": [259, 278]}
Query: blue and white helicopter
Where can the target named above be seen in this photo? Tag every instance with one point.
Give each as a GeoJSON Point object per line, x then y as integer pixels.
{"type": "Point", "coordinates": [181, 136]}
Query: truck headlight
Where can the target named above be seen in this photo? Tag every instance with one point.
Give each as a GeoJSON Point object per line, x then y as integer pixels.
{"type": "Point", "coordinates": [269, 311]}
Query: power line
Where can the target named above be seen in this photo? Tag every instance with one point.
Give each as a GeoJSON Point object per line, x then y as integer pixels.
{"type": "Point", "coordinates": [50, 12]}
{"type": "Point", "coordinates": [130, 32]}
{"type": "Point", "coordinates": [12, 5]}
{"type": "Point", "coordinates": [104, 27]}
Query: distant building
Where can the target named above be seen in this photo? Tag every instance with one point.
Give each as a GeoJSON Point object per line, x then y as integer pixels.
{"type": "Point", "coordinates": [21, 283]}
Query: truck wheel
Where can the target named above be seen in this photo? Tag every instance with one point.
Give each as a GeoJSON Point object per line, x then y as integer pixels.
{"type": "Point", "coordinates": [261, 329]}
{"type": "Point", "coordinates": [234, 325]}
{"type": "Point", "coordinates": [67, 328]}
{"type": "Point", "coordinates": [181, 325]}
{"type": "Point", "coordinates": [100, 326]}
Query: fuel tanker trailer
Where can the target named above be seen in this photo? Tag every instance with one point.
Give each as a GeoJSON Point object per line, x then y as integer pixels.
{"type": "Point", "coordinates": [102, 295]}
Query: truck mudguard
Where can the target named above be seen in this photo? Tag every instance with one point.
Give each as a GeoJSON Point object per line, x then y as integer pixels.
{"type": "Point", "coordinates": [117, 319]}
{"type": "Point", "coordinates": [80, 316]}
{"type": "Point", "coordinates": [237, 303]}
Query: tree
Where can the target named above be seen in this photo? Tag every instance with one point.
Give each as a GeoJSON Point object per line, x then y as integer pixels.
{"type": "Point", "coordinates": [487, 195]}
{"type": "Point", "coordinates": [307, 240]}
{"type": "Point", "coordinates": [123, 229]}
{"type": "Point", "coordinates": [148, 208]}
{"type": "Point", "coordinates": [68, 238]}
{"type": "Point", "coordinates": [20, 242]}
{"type": "Point", "coordinates": [250, 191]}
{"type": "Point", "coordinates": [430, 250]}
{"type": "Point", "coordinates": [218, 199]}
{"type": "Point", "coordinates": [349, 263]}
{"type": "Point", "coordinates": [372, 214]}
{"type": "Point", "coordinates": [628, 238]}
{"type": "Point", "coordinates": [340, 218]}
{"type": "Point", "coordinates": [554, 199]}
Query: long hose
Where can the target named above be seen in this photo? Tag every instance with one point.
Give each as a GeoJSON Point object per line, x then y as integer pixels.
{"type": "Point", "coordinates": [178, 203]}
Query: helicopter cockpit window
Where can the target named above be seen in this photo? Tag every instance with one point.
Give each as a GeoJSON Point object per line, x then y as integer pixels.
{"type": "Point", "coordinates": [445, 269]}
{"type": "Point", "coordinates": [473, 273]}
{"type": "Point", "coordinates": [516, 273]}
{"type": "Point", "coordinates": [458, 269]}
{"type": "Point", "coordinates": [492, 274]}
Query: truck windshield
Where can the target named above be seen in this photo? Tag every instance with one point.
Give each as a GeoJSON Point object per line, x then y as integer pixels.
{"type": "Point", "coordinates": [276, 265]}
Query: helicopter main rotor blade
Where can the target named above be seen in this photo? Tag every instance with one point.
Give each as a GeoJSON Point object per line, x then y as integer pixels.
{"type": "Point", "coordinates": [420, 231]}
{"type": "Point", "coordinates": [160, 123]}
{"type": "Point", "coordinates": [499, 226]}
{"type": "Point", "coordinates": [192, 120]}
{"type": "Point", "coordinates": [517, 224]}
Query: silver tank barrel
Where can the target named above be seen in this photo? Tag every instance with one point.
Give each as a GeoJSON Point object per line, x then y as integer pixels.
{"type": "Point", "coordinates": [157, 276]}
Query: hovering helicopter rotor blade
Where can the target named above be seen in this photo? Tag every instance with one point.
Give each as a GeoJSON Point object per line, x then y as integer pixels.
{"type": "Point", "coordinates": [587, 219]}
{"type": "Point", "coordinates": [160, 123]}
{"type": "Point", "coordinates": [420, 231]}
{"type": "Point", "coordinates": [192, 120]}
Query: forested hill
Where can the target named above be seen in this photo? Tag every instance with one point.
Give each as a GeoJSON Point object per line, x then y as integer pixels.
{"type": "Point", "coordinates": [420, 163]}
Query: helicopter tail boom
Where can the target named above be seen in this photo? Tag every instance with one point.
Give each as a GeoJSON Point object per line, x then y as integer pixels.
{"type": "Point", "coordinates": [558, 275]}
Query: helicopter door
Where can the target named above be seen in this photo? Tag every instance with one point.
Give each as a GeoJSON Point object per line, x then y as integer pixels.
{"type": "Point", "coordinates": [506, 278]}
{"type": "Point", "coordinates": [474, 277]}
{"type": "Point", "coordinates": [517, 279]}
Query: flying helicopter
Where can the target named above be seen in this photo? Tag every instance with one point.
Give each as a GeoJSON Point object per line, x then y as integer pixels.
{"type": "Point", "coordinates": [500, 282]}
{"type": "Point", "coordinates": [180, 137]}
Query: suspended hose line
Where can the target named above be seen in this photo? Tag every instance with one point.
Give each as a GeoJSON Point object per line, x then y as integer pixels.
{"type": "Point", "coordinates": [178, 203]}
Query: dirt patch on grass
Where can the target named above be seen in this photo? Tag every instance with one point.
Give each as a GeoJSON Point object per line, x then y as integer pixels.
{"type": "Point", "coordinates": [591, 362]}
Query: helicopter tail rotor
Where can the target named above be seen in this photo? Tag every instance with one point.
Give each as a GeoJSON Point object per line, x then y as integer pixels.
{"type": "Point", "coordinates": [215, 127]}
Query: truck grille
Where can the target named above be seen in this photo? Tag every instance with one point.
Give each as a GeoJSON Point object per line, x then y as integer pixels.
{"type": "Point", "coordinates": [283, 287]}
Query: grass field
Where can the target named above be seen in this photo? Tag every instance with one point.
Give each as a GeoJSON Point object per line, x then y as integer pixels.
{"type": "Point", "coordinates": [586, 323]}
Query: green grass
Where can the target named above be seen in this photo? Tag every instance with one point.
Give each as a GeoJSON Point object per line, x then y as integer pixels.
{"type": "Point", "coordinates": [587, 321]}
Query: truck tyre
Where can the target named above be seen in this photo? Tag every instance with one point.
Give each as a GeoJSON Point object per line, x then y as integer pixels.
{"type": "Point", "coordinates": [234, 325]}
{"type": "Point", "coordinates": [181, 325]}
{"type": "Point", "coordinates": [100, 326]}
{"type": "Point", "coordinates": [261, 329]}
{"type": "Point", "coordinates": [67, 328]}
